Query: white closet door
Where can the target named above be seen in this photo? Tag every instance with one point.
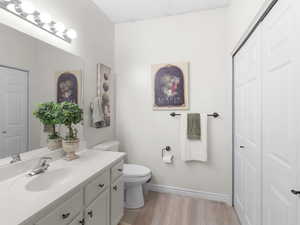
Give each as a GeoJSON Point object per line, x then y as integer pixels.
{"type": "Point", "coordinates": [281, 103]}
{"type": "Point", "coordinates": [248, 131]}
{"type": "Point", "coordinates": [13, 113]}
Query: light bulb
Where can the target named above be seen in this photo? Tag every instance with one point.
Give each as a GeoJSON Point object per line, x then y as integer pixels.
{"type": "Point", "coordinates": [60, 27]}
{"type": "Point", "coordinates": [71, 33]}
{"type": "Point", "coordinates": [27, 7]}
{"type": "Point", "coordinates": [11, 7]}
{"type": "Point", "coordinates": [45, 18]}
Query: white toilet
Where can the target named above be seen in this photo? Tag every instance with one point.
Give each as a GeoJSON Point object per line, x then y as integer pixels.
{"type": "Point", "coordinates": [134, 178]}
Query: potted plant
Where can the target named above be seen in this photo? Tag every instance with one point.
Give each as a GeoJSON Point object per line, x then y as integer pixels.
{"type": "Point", "coordinates": [70, 115]}
{"type": "Point", "coordinates": [48, 113]}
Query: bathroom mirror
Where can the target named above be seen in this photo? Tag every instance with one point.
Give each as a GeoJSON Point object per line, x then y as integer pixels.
{"type": "Point", "coordinates": [32, 72]}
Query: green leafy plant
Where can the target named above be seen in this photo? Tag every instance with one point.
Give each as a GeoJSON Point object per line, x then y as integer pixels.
{"type": "Point", "coordinates": [70, 114]}
{"type": "Point", "coordinates": [48, 114]}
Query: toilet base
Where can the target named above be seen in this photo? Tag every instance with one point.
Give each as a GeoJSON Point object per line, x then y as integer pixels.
{"type": "Point", "coordinates": [134, 197]}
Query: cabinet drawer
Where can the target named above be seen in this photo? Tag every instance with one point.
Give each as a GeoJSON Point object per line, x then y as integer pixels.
{"type": "Point", "coordinates": [94, 188]}
{"type": "Point", "coordinates": [65, 213]}
{"type": "Point", "coordinates": [117, 171]}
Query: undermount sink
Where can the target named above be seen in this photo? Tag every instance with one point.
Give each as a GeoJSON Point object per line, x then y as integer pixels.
{"type": "Point", "coordinates": [48, 179]}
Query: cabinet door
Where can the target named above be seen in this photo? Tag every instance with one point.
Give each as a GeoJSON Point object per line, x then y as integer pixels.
{"type": "Point", "coordinates": [117, 201]}
{"type": "Point", "coordinates": [98, 211]}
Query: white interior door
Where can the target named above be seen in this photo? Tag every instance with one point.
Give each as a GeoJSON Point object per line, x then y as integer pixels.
{"type": "Point", "coordinates": [13, 113]}
{"type": "Point", "coordinates": [248, 131]}
{"type": "Point", "coordinates": [281, 103]}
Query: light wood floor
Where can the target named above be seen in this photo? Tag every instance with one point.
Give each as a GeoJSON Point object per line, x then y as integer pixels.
{"type": "Point", "coordinates": [166, 209]}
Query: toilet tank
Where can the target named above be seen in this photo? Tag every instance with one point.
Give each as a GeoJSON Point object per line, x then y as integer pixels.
{"type": "Point", "coordinates": [112, 146]}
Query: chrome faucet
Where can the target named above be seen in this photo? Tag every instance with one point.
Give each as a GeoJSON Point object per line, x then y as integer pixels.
{"type": "Point", "coordinates": [15, 158]}
{"type": "Point", "coordinates": [42, 166]}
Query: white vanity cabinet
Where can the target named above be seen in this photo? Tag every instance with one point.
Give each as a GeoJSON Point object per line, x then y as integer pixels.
{"type": "Point", "coordinates": [99, 202]}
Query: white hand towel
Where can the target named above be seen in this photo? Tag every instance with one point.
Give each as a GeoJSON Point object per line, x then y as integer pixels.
{"type": "Point", "coordinates": [97, 113]}
{"type": "Point", "coordinates": [193, 150]}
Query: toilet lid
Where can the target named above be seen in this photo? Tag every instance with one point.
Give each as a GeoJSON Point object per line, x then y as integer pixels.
{"type": "Point", "coordinates": [132, 170]}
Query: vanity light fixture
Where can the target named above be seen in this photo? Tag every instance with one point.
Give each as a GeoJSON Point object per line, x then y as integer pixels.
{"type": "Point", "coordinates": [27, 11]}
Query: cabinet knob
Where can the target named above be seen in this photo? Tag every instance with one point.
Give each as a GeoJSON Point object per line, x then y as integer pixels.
{"type": "Point", "coordinates": [242, 146]}
{"type": "Point", "coordinates": [101, 185]}
{"type": "Point", "coordinates": [4, 132]}
{"type": "Point", "coordinates": [295, 192]}
{"type": "Point", "coordinates": [65, 216]}
{"type": "Point", "coordinates": [115, 188]}
{"type": "Point", "coordinates": [120, 170]}
{"type": "Point", "coordinates": [90, 213]}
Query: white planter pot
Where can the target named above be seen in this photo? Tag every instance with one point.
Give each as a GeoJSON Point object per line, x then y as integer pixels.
{"type": "Point", "coordinates": [54, 144]}
{"type": "Point", "coordinates": [71, 147]}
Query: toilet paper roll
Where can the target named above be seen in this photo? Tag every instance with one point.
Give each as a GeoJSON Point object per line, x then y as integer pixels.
{"type": "Point", "coordinates": [168, 159]}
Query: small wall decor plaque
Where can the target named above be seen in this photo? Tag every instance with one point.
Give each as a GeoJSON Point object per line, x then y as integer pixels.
{"type": "Point", "coordinates": [104, 85]}
{"type": "Point", "coordinates": [171, 86]}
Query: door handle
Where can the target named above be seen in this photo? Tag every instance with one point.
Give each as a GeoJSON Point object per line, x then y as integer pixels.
{"type": "Point", "coordinates": [242, 146]}
{"type": "Point", "coordinates": [295, 192]}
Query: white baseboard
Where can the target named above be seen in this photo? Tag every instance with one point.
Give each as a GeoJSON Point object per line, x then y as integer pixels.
{"type": "Point", "coordinates": [190, 193]}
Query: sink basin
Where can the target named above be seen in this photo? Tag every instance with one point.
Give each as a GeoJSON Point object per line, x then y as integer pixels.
{"type": "Point", "coordinates": [45, 181]}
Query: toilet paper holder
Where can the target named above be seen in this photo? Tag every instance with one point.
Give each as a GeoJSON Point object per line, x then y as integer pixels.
{"type": "Point", "coordinates": [167, 149]}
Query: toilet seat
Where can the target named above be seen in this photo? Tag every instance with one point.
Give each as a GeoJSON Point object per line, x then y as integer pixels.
{"type": "Point", "coordinates": [135, 171]}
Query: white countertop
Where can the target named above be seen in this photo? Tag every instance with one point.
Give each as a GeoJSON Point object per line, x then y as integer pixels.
{"type": "Point", "coordinates": [18, 204]}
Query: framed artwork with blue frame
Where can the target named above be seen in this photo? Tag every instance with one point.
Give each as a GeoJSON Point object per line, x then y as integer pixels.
{"type": "Point", "coordinates": [171, 86]}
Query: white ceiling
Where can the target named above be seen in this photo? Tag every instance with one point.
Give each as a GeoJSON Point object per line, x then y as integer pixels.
{"type": "Point", "coordinates": [131, 10]}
